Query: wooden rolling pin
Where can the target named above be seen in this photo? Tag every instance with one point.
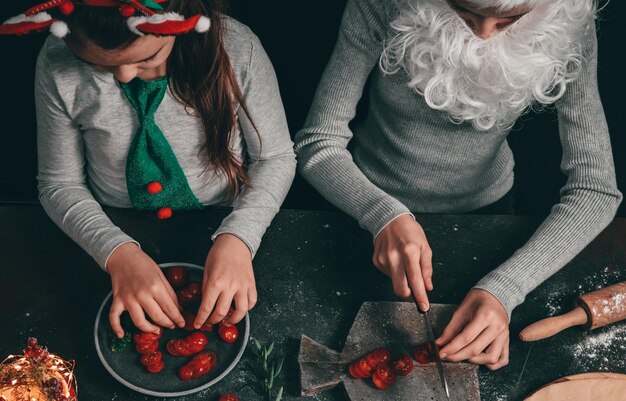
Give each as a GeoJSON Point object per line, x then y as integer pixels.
{"type": "Point", "coordinates": [596, 309]}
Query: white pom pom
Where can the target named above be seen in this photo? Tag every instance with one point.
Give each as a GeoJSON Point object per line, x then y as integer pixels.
{"type": "Point", "coordinates": [203, 24]}
{"type": "Point", "coordinates": [59, 29]}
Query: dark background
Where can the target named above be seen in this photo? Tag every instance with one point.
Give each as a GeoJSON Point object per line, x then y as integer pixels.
{"type": "Point", "coordinates": [299, 37]}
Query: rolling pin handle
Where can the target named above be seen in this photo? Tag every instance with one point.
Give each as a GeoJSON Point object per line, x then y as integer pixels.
{"type": "Point", "coordinates": [548, 327]}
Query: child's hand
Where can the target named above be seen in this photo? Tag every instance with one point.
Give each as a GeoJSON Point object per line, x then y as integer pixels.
{"type": "Point", "coordinates": [478, 332]}
{"type": "Point", "coordinates": [401, 251]}
{"type": "Point", "coordinates": [228, 277]}
{"type": "Point", "coordinates": [139, 285]}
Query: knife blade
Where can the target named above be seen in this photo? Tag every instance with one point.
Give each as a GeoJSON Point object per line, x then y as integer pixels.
{"type": "Point", "coordinates": [431, 339]}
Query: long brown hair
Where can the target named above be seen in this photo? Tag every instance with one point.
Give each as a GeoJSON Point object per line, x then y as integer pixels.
{"type": "Point", "coordinates": [200, 74]}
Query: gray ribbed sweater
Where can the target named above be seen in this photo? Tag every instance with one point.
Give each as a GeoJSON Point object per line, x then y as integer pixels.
{"type": "Point", "coordinates": [409, 157]}
{"type": "Point", "coordinates": [85, 127]}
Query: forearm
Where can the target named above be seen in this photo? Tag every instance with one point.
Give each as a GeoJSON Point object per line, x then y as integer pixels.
{"type": "Point", "coordinates": [257, 205]}
{"type": "Point", "coordinates": [571, 226]}
{"type": "Point", "coordinates": [73, 208]}
{"type": "Point", "coordinates": [331, 170]}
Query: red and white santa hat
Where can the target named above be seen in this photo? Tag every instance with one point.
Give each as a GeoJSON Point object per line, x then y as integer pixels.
{"type": "Point", "coordinates": [141, 14]}
{"type": "Point", "coordinates": [504, 5]}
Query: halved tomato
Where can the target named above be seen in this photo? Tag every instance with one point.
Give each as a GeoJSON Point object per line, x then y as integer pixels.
{"type": "Point", "coordinates": [423, 353]}
{"type": "Point", "coordinates": [379, 355]}
{"type": "Point", "coordinates": [152, 358]}
{"type": "Point", "coordinates": [147, 348]}
{"type": "Point", "coordinates": [402, 364]}
{"type": "Point", "coordinates": [386, 374]}
{"type": "Point", "coordinates": [156, 367]}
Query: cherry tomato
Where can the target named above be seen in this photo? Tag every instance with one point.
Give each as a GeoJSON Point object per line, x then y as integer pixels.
{"type": "Point", "coordinates": [185, 372]}
{"type": "Point", "coordinates": [184, 297]}
{"type": "Point", "coordinates": [423, 354]}
{"type": "Point", "coordinates": [379, 383]}
{"type": "Point", "coordinates": [189, 317]}
{"type": "Point", "coordinates": [156, 367]}
{"type": "Point", "coordinates": [385, 374]}
{"type": "Point", "coordinates": [402, 364]}
{"type": "Point", "coordinates": [211, 357]}
{"type": "Point", "coordinates": [229, 397]}
{"type": "Point", "coordinates": [195, 289]}
{"type": "Point", "coordinates": [379, 355]}
{"type": "Point", "coordinates": [182, 349]}
{"type": "Point", "coordinates": [177, 276]}
{"type": "Point", "coordinates": [147, 348]}
{"type": "Point", "coordinates": [228, 334]}
{"type": "Point", "coordinates": [152, 358]}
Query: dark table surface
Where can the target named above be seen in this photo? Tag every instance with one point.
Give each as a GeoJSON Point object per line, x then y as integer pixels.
{"type": "Point", "coordinates": [313, 272]}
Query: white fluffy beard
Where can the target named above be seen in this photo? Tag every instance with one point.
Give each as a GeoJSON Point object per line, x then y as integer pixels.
{"type": "Point", "coordinates": [488, 83]}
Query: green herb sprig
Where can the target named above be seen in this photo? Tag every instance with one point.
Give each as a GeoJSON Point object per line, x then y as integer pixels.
{"type": "Point", "coordinates": [266, 368]}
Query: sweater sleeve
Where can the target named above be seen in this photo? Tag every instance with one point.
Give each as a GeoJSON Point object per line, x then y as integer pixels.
{"type": "Point", "coordinates": [271, 158]}
{"type": "Point", "coordinates": [321, 145]}
{"type": "Point", "coordinates": [589, 199]}
{"type": "Point", "coordinates": [63, 192]}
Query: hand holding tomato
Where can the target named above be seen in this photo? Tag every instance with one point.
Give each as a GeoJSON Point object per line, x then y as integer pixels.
{"type": "Point", "coordinates": [478, 332]}
{"type": "Point", "coordinates": [228, 277]}
{"type": "Point", "coordinates": [139, 285]}
{"type": "Point", "coordinates": [401, 252]}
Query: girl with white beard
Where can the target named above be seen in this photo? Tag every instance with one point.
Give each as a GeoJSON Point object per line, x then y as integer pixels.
{"type": "Point", "coordinates": [448, 79]}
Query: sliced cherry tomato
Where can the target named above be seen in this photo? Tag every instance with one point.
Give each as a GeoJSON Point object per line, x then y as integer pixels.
{"type": "Point", "coordinates": [177, 276]}
{"type": "Point", "coordinates": [423, 354]}
{"type": "Point", "coordinates": [211, 357]}
{"type": "Point", "coordinates": [185, 372]}
{"type": "Point", "coordinates": [379, 383]}
{"type": "Point", "coordinates": [402, 364]}
{"type": "Point", "coordinates": [354, 372]}
{"type": "Point", "coordinates": [156, 367]}
{"type": "Point", "coordinates": [145, 338]}
{"type": "Point", "coordinates": [229, 397]}
{"type": "Point", "coordinates": [181, 348]}
{"type": "Point", "coordinates": [171, 348]}
{"type": "Point", "coordinates": [380, 355]}
{"type": "Point", "coordinates": [228, 334]}
{"type": "Point", "coordinates": [363, 368]}
{"type": "Point", "coordinates": [147, 348]}
{"type": "Point", "coordinates": [200, 370]}
{"type": "Point", "coordinates": [197, 338]}
{"type": "Point", "coordinates": [152, 358]}
{"type": "Point", "coordinates": [386, 374]}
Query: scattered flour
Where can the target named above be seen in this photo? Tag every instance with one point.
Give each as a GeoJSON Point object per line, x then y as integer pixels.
{"type": "Point", "coordinates": [602, 349]}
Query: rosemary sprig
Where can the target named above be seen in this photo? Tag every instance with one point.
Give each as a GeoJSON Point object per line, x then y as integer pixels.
{"type": "Point", "coordinates": [119, 344]}
{"type": "Point", "coordinates": [266, 368]}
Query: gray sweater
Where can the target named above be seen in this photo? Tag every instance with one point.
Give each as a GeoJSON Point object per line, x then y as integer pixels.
{"type": "Point", "coordinates": [85, 127]}
{"type": "Point", "coordinates": [408, 157]}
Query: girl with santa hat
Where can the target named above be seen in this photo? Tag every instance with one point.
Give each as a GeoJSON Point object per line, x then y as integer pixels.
{"type": "Point", "coordinates": [447, 80]}
{"type": "Point", "coordinates": [163, 106]}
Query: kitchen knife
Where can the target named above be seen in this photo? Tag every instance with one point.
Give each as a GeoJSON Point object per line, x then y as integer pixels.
{"type": "Point", "coordinates": [431, 339]}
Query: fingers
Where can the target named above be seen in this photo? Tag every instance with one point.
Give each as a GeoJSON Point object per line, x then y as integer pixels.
{"type": "Point", "coordinates": [241, 308]}
{"type": "Point", "coordinates": [252, 297]}
{"type": "Point", "coordinates": [209, 298]}
{"type": "Point", "coordinates": [492, 353]}
{"type": "Point", "coordinates": [504, 357]}
{"type": "Point", "coordinates": [477, 346]}
{"type": "Point", "coordinates": [153, 309]}
{"type": "Point", "coordinates": [139, 319]}
{"type": "Point", "coordinates": [465, 337]}
{"type": "Point", "coordinates": [426, 265]}
{"type": "Point", "coordinates": [114, 317]}
{"type": "Point", "coordinates": [414, 276]}
{"type": "Point", "coordinates": [222, 306]}
{"type": "Point", "coordinates": [172, 294]}
{"type": "Point", "coordinates": [454, 327]}
{"type": "Point", "coordinates": [399, 282]}
{"type": "Point", "coordinates": [167, 305]}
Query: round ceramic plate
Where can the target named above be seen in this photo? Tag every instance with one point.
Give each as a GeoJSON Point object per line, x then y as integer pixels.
{"type": "Point", "coordinates": [127, 369]}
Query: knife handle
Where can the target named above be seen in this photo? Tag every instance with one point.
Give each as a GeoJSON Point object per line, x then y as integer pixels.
{"type": "Point", "coordinates": [548, 327]}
